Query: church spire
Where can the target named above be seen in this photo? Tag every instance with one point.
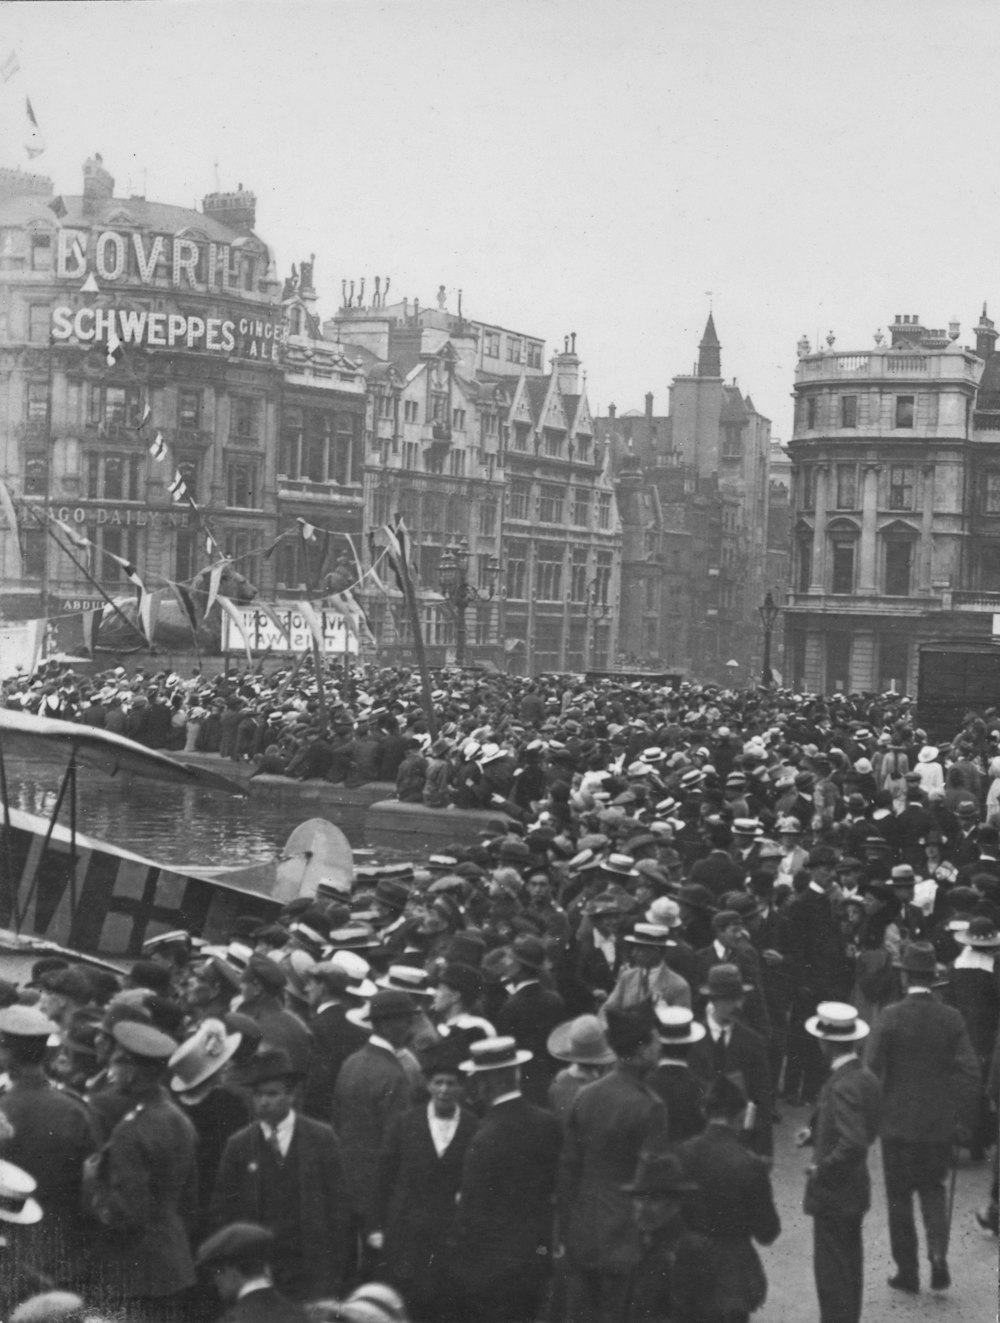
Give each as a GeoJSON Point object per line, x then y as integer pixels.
{"type": "Point", "coordinates": [710, 352]}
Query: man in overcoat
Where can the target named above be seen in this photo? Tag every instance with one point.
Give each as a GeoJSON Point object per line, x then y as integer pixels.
{"type": "Point", "coordinates": [237, 1260]}
{"type": "Point", "coordinates": [284, 1172]}
{"type": "Point", "coordinates": [419, 1177]}
{"type": "Point", "coordinates": [838, 1187]}
{"type": "Point", "coordinates": [921, 1053]}
{"type": "Point", "coordinates": [502, 1235]}
{"type": "Point", "coordinates": [530, 1014]}
{"type": "Point", "coordinates": [610, 1123]}
{"type": "Point", "coordinates": [733, 1207]}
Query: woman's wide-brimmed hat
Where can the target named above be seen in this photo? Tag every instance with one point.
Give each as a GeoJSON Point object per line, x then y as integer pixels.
{"type": "Point", "coordinates": [981, 932]}
{"type": "Point", "coordinates": [927, 754]}
{"type": "Point", "coordinates": [582, 1041]}
{"type": "Point", "coordinates": [202, 1056]}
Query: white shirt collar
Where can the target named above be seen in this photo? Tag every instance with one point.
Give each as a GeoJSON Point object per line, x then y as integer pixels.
{"type": "Point", "coordinates": [506, 1097]}
{"type": "Point", "coordinates": [254, 1284]}
{"type": "Point", "coordinates": [442, 1128]}
{"type": "Point", "coordinates": [284, 1130]}
{"type": "Point", "coordinates": [842, 1060]}
{"type": "Point", "coordinates": [376, 1041]}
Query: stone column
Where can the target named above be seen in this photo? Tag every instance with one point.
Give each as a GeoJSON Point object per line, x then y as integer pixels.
{"type": "Point", "coordinates": [818, 577]}
{"type": "Point", "coordinates": [863, 661]}
{"type": "Point", "coordinates": [869, 520]}
{"type": "Point", "coordinates": [925, 568]}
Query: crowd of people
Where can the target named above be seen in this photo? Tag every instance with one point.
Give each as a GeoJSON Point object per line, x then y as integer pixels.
{"type": "Point", "coordinates": [536, 1077]}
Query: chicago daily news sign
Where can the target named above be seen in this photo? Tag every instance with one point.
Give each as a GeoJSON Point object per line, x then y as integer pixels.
{"type": "Point", "coordinates": [138, 258]}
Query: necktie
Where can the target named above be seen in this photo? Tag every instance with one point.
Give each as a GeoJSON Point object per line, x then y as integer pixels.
{"type": "Point", "coordinates": [719, 1053]}
{"type": "Point", "coordinates": [274, 1145]}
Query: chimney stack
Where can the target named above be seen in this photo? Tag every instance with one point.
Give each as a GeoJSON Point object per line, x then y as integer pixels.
{"type": "Point", "coordinates": [98, 184]}
{"type": "Point", "coordinates": [236, 210]}
{"type": "Point", "coordinates": [649, 405]}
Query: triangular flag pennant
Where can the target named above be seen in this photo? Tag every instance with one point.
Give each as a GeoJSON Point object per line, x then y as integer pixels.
{"type": "Point", "coordinates": [58, 206]}
{"type": "Point", "coordinates": [307, 530]}
{"type": "Point", "coordinates": [186, 602]}
{"type": "Point", "coordinates": [76, 538]}
{"type": "Point", "coordinates": [35, 144]}
{"type": "Point", "coordinates": [237, 620]}
{"type": "Point", "coordinates": [214, 580]}
{"type": "Point", "coordinates": [149, 610]}
{"type": "Point", "coordinates": [131, 573]}
{"type": "Point", "coordinates": [115, 353]}
{"type": "Point", "coordinates": [209, 543]}
{"type": "Point", "coordinates": [9, 67]}
{"type": "Point", "coordinates": [147, 413]}
{"type": "Point", "coordinates": [178, 488]}
{"type": "Point", "coordinates": [314, 620]}
{"type": "Point", "coordinates": [158, 447]}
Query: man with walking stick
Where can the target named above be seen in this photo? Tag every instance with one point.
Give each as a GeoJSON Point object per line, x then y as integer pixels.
{"type": "Point", "coordinates": [921, 1053]}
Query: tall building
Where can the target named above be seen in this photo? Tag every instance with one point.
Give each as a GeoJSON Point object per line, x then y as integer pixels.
{"type": "Point", "coordinates": [893, 524]}
{"type": "Point", "coordinates": [481, 449]}
{"type": "Point", "coordinates": [707, 460]}
{"type": "Point", "coordinates": [112, 311]}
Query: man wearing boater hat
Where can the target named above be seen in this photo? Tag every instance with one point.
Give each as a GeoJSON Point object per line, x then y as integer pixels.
{"type": "Point", "coordinates": [838, 1187]}
{"type": "Point", "coordinates": [920, 1050]}
{"type": "Point", "coordinates": [503, 1227]}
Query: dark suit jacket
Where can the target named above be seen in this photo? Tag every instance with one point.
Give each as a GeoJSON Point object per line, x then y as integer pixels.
{"type": "Point", "coordinates": [843, 1128]}
{"type": "Point", "coordinates": [609, 1124]}
{"type": "Point", "coordinates": [718, 872]}
{"type": "Point", "coordinates": [733, 1207]}
{"type": "Point", "coordinates": [814, 947]}
{"type": "Point", "coordinates": [334, 1039]}
{"type": "Point", "coordinates": [264, 1307]}
{"type": "Point", "coordinates": [324, 1214]}
{"type": "Point", "coordinates": [746, 1057]}
{"type": "Point", "coordinates": [920, 1050]}
{"type": "Point", "coordinates": [417, 1192]}
{"type": "Point", "coordinates": [503, 1226]}
{"type": "Point", "coordinates": [372, 1087]}
{"type": "Point", "coordinates": [530, 1015]}
{"type": "Point", "coordinates": [282, 1028]}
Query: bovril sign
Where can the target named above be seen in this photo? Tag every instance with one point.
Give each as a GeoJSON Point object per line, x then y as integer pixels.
{"type": "Point", "coordinates": [147, 259]}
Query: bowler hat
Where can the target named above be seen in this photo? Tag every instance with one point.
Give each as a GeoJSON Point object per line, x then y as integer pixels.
{"type": "Point", "coordinates": [659, 1173]}
{"type": "Point", "coordinates": [918, 958]}
{"type": "Point", "coordinates": [463, 979]}
{"type": "Point", "coordinates": [391, 893]}
{"type": "Point", "coordinates": [581, 1040]}
{"type": "Point", "coordinates": [270, 1063]}
{"type": "Point", "coordinates": [390, 1004]}
{"type": "Point", "coordinates": [725, 981]}
{"type": "Point", "coordinates": [529, 951]}
{"type": "Point", "coordinates": [266, 972]}
{"type": "Point", "coordinates": [697, 897]}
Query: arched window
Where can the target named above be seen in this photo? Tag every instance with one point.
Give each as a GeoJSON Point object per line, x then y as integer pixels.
{"type": "Point", "coordinates": [843, 538]}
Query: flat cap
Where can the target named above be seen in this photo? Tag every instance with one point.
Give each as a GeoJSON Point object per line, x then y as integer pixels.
{"type": "Point", "coordinates": [237, 1241]}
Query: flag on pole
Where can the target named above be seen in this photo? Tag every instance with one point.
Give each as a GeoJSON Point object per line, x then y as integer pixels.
{"type": "Point", "coordinates": [147, 413]}
{"type": "Point", "coordinates": [178, 488]}
{"type": "Point", "coordinates": [214, 580]}
{"type": "Point", "coordinates": [158, 447]}
{"type": "Point", "coordinates": [78, 539]}
{"type": "Point", "coordinates": [35, 144]}
{"type": "Point", "coordinates": [185, 601]}
{"type": "Point", "coordinates": [58, 206]}
{"type": "Point", "coordinates": [115, 352]}
{"type": "Point", "coordinates": [9, 67]}
{"type": "Point", "coordinates": [131, 573]}
{"type": "Point", "coordinates": [237, 620]}
{"type": "Point", "coordinates": [398, 539]}
{"type": "Point", "coordinates": [307, 530]}
{"type": "Point", "coordinates": [10, 519]}
{"type": "Point", "coordinates": [149, 610]}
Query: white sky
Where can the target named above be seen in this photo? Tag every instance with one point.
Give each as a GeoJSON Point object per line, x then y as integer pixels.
{"type": "Point", "coordinates": [573, 165]}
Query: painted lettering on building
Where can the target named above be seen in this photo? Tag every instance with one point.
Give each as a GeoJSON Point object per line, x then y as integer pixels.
{"type": "Point", "coordinates": [101, 515]}
{"type": "Point", "coordinates": [264, 635]}
{"type": "Point", "coordinates": [149, 259]}
{"type": "Point", "coordinates": [261, 338]}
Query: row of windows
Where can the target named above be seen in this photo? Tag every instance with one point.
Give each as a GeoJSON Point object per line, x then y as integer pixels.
{"type": "Point", "coordinates": [122, 406]}
{"type": "Point", "coordinates": [528, 352]}
{"type": "Point", "coordinates": [904, 411]}
{"type": "Point", "coordinates": [549, 573]}
{"type": "Point", "coordinates": [897, 565]}
{"type": "Point", "coordinates": [552, 502]}
{"type": "Point", "coordinates": [899, 489]}
{"type": "Point", "coordinates": [319, 446]}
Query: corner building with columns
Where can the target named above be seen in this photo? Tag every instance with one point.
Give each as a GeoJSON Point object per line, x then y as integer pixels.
{"type": "Point", "coordinates": [190, 304]}
{"type": "Point", "coordinates": [886, 481]}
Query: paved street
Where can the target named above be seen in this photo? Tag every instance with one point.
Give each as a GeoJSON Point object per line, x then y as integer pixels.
{"type": "Point", "coordinates": [791, 1293]}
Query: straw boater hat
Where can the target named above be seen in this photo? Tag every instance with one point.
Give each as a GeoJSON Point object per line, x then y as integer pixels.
{"type": "Point", "coordinates": [677, 1025]}
{"type": "Point", "coordinates": [407, 978]}
{"type": "Point", "coordinates": [582, 1041]}
{"type": "Point", "coordinates": [494, 1054]}
{"type": "Point", "coordinates": [650, 934]}
{"type": "Point", "coordinates": [202, 1056]}
{"type": "Point", "coordinates": [836, 1022]}
{"type": "Point", "coordinates": [16, 1189]}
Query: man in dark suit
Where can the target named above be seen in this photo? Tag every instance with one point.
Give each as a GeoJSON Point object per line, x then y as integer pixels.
{"type": "Point", "coordinates": [732, 1049]}
{"type": "Point", "coordinates": [920, 1050]}
{"type": "Point", "coordinates": [503, 1227]}
{"type": "Point", "coordinates": [610, 1123]}
{"type": "Point", "coordinates": [284, 1171]}
{"type": "Point", "coordinates": [237, 1259]}
{"type": "Point", "coordinates": [262, 984]}
{"type": "Point", "coordinates": [530, 1014]}
{"type": "Point", "coordinates": [733, 1207]}
{"type": "Point", "coordinates": [816, 969]}
{"type": "Point", "coordinates": [335, 1038]}
{"type": "Point", "coordinates": [838, 1188]}
{"type": "Point", "coordinates": [718, 871]}
{"type": "Point", "coordinates": [419, 1177]}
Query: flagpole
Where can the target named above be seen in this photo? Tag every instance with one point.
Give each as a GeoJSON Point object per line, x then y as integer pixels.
{"type": "Point", "coordinates": [90, 578]}
{"type": "Point", "coordinates": [418, 645]}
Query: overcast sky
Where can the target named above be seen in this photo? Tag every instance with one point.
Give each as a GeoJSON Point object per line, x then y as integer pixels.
{"type": "Point", "coordinates": [572, 165]}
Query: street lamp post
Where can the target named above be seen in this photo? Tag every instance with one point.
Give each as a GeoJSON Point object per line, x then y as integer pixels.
{"type": "Point", "coordinates": [768, 613]}
{"type": "Point", "coordinates": [453, 577]}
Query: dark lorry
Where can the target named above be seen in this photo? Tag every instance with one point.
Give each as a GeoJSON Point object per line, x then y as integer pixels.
{"type": "Point", "coordinates": [956, 678]}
